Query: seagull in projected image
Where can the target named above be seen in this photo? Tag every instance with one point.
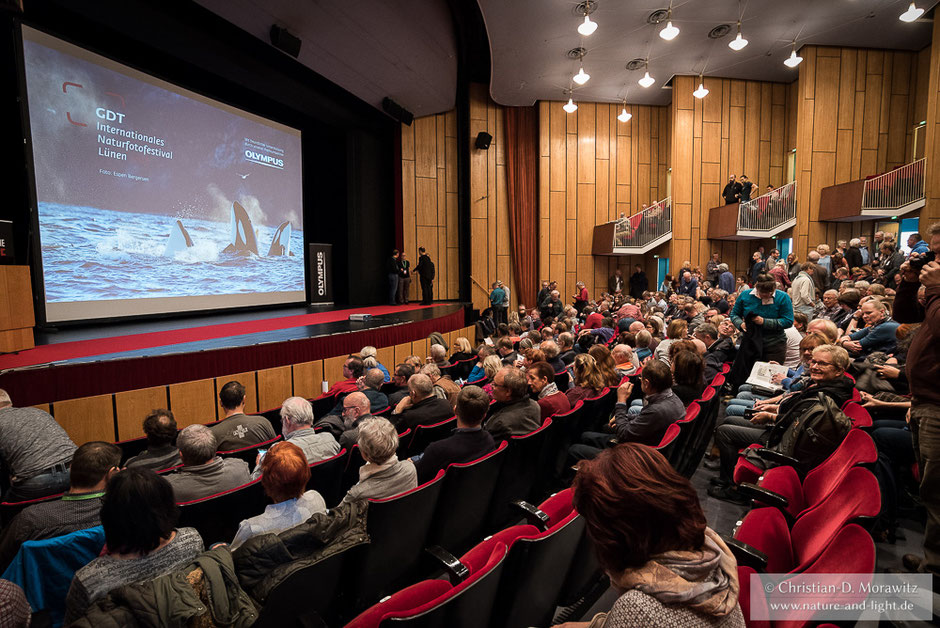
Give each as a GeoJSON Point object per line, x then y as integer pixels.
{"type": "Point", "coordinates": [243, 176]}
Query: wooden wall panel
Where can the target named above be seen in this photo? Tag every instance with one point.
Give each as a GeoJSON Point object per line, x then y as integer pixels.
{"type": "Point", "coordinates": [251, 389]}
{"type": "Point", "coordinates": [274, 386]}
{"type": "Point", "coordinates": [429, 199]}
{"type": "Point", "coordinates": [307, 378]}
{"type": "Point", "coordinates": [193, 402]}
{"type": "Point", "coordinates": [931, 212]}
{"type": "Point", "coordinates": [132, 408]}
{"type": "Point", "coordinates": [333, 369]}
{"type": "Point", "coordinates": [86, 419]}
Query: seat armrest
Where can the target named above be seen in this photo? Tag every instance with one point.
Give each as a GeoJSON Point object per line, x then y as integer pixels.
{"type": "Point", "coordinates": [532, 515]}
{"type": "Point", "coordinates": [771, 455]}
{"type": "Point", "coordinates": [456, 571]}
{"type": "Point", "coordinates": [745, 554]}
{"type": "Point", "coordinates": [757, 493]}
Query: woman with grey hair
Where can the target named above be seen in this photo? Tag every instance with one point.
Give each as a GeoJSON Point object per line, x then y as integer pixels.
{"type": "Point", "coordinates": [383, 474]}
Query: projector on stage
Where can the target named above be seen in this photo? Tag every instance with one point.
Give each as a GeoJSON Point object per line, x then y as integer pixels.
{"type": "Point", "coordinates": [360, 317]}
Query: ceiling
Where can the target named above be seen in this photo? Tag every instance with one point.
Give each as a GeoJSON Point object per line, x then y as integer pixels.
{"type": "Point", "coordinates": [408, 50]}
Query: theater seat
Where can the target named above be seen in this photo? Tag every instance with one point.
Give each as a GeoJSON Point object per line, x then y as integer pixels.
{"type": "Point", "coordinates": [859, 415]}
{"type": "Point", "coordinates": [250, 453]}
{"type": "Point", "coordinates": [518, 474]}
{"type": "Point", "coordinates": [424, 435]}
{"type": "Point", "coordinates": [597, 410]}
{"type": "Point", "coordinates": [216, 517]}
{"type": "Point", "coordinates": [326, 478]}
{"type": "Point", "coordinates": [8, 510]}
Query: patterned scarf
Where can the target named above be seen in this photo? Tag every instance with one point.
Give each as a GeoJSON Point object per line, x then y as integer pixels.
{"type": "Point", "coordinates": [704, 580]}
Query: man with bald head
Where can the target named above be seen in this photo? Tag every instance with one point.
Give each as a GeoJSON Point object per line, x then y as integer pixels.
{"type": "Point", "coordinates": [370, 384]}
{"type": "Point", "coordinates": [625, 360]}
{"type": "Point", "coordinates": [421, 406]}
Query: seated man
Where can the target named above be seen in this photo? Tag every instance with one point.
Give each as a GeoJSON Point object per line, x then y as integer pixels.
{"type": "Point", "coordinates": [625, 360]}
{"type": "Point", "coordinates": [383, 474]}
{"type": "Point", "coordinates": [514, 412]}
{"type": "Point", "coordinates": [566, 347]}
{"type": "Point", "coordinates": [297, 427]}
{"type": "Point", "coordinates": [505, 351]}
{"type": "Point", "coordinates": [161, 452]}
{"type": "Point", "coordinates": [444, 386]}
{"type": "Point", "coordinates": [345, 428]}
{"type": "Point", "coordinates": [35, 450]}
{"type": "Point", "coordinates": [469, 442]}
{"type": "Point", "coordinates": [238, 429]}
{"type": "Point", "coordinates": [352, 371]}
{"type": "Point", "coordinates": [541, 380]}
{"type": "Point", "coordinates": [439, 356]}
{"type": "Point", "coordinates": [92, 466]}
{"type": "Point", "coordinates": [662, 409]}
{"type": "Point", "coordinates": [400, 379]}
{"type": "Point", "coordinates": [203, 472]}
{"type": "Point", "coordinates": [369, 384]}
{"type": "Point", "coordinates": [552, 352]}
{"type": "Point", "coordinates": [421, 406]}
{"type": "Point", "coordinates": [718, 350]}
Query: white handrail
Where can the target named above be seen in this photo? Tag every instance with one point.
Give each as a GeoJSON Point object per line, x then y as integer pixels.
{"type": "Point", "coordinates": [645, 226]}
{"type": "Point", "coordinates": [769, 211]}
{"type": "Point", "coordinates": [895, 189]}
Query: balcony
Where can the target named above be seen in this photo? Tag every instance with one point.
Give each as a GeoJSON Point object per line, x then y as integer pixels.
{"type": "Point", "coordinates": [762, 217]}
{"type": "Point", "coordinates": [636, 234]}
{"type": "Point", "coordinates": [887, 195]}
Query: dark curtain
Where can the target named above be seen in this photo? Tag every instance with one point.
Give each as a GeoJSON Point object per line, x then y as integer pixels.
{"type": "Point", "coordinates": [522, 160]}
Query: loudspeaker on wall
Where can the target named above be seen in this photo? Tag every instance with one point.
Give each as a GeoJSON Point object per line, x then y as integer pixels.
{"type": "Point", "coordinates": [283, 40]}
{"type": "Point", "coordinates": [483, 140]}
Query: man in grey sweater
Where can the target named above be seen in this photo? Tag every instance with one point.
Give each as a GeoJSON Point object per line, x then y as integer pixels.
{"type": "Point", "coordinates": [203, 472]}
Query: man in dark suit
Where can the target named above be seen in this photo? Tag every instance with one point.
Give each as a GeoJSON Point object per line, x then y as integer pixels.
{"type": "Point", "coordinates": [421, 406]}
{"type": "Point", "coordinates": [469, 442]}
{"type": "Point", "coordinates": [717, 350]}
{"type": "Point", "coordinates": [425, 269]}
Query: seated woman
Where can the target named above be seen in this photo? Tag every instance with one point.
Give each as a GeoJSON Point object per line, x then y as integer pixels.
{"type": "Point", "coordinates": [606, 365]}
{"type": "Point", "coordinates": [383, 474]}
{"type": "Point", "coordinates": [678, 329]}
{"type": "Point", "coordinates": [827, 376]}
{"type": "Point", "coordinates": [650, 535]}
{"type": "Point", "coordinates": [491, 365]}
{"type": "Point", "coordinates": [794, 381]}
{"type": "Point", "coordinates": [688, 374]}
{"type": "Point", "coordinates": [588, 379]}
{"type": "Point", "coordinates": [141, 540]}
{"type": "Point", "coordinates": [462, 350]}
{"type": "Point", "coordinates": [477, 374]}
{"type": "Point", "coordinates": [284, 476]}
{"type": "Point", "coordinates": [878, 333]}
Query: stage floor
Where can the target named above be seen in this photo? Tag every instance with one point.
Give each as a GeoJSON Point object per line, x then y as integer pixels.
{"type": "Point", "coordinates": [118, 341]}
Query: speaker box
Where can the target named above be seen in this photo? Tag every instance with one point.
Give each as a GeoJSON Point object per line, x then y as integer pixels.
{"type": "Point", "coordinates": [483, 140]}
{"type": "Point", "coordinates": [283, 40]}
{"type": "Point", "coordinates": [398, 112]}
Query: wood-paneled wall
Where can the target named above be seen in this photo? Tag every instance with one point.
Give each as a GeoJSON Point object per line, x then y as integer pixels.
{"type": "Point", "coordinates": [120, 416]}
{"type": "Point", "coordinates": [740, 127]}
{"type": "Point", "coordinates": [429, 199]}
{"type": "Point", "coordinates": [855, 115]}
{"type": "Point", "coordinates": [490, 257]}
{"type": "Point", "coordinates": [931, 213]}
{"type": "Point", "coordinates": [593, 168]}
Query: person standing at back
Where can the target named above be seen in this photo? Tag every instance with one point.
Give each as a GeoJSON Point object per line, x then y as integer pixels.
{"type": "Point", "coordinates": [391, 270]}
{"type": "Point", "coordinates": [404, 277]}
{"type": "Point", "coordinates": [425, 269]}
{"type": "Point", "coordinates": [35, 450]}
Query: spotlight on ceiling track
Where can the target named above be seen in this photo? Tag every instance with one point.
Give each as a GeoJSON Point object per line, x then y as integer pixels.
{"type": "Point", "coordinates": [587, 27]}
{"type": "Point", "coordinates": [647, 80]}
{"type": "Point", "coordinates": [669, 32]}
{"type": "Point", "coordinates": [738, 43]}
{"type": "Point", "coordinates": [911, 14]}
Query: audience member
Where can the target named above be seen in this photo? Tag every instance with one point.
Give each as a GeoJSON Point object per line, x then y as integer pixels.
{"type": "Point", "coordinates": [161, 453]}
{"type": "Point", "coordinates": [541, 381]}
{"type": "Point", "coordinates": [688, 374]}
{"type": "Point", "coordinates": [371, 352]}
{"type": "Point", "coordinates": [421, 406]}
{"type": "Point", "coordinates": [444, 386]}
{"type": "Point", "coordinates": [879, 334]}
{"type": "Point", "coordinates": [35, 452]}
{"type": "Point", "coordinates": [139, 519]}
{"type": "Point", "coordinates": [285, 472]}
{"type": "Point", "coordinates": [297, 428]}
{"type": "Point", "coordinates": [588, 379]}
{"type": "Point", "coordinates": [514, 412]}
{"type": "Point", "coordinates": [203, 472]}
{"type": "Point", "coordinates": [237, 429]}
{"type": "Point", "coordinates": [383, 474]}
{"type": "Point", "coordinates": [469, 441]}
{"type": "Point", "coordinates": [352, 371]}
{"type": "Point", "coordinates": [400, 380]}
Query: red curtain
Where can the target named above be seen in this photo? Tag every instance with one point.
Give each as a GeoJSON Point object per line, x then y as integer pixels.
{"type": "Point", "coordinates": [522, 161]}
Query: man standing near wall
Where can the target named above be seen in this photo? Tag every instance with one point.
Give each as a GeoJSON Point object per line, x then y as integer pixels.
{"type": "Point", "coordinates": [404, 278]}
{"type": "Point", "coordinates": [392, 272]}
{"type": "Point", "coordinates": [425, 268]}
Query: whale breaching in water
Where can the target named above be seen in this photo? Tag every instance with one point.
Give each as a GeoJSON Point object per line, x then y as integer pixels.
{"type": "Point", "coordinates": [178, 241]}
{"type": "Point", "coordinates": [243, 234]}
{"type": "Point", "coordinates": [280, 245]}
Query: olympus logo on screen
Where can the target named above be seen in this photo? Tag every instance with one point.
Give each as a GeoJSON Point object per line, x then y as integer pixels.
{"type": "Point", "coordinates": [264, 160]}
{"type": "Point", "coordinates": [321, 273]}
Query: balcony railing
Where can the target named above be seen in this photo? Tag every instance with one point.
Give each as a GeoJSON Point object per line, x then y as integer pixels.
{"type": "Point", "coordinates": [645, 228]}
{"type": "Point", "coordinates": [896, 190]}
{"type": "Point", "coordinates": [769, 214]}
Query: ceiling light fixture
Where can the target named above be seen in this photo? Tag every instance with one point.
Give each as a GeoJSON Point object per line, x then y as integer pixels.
{"type": "Point", "coordinates": [794, 59]}
{"type": "Point", "coordinates": [647, 80]}
{"type": "Point", "coordinates": [911, 14]}
{"type": "Point", "coordinates": [624, 115]}
{"type": "Point", "coordinates": [581, 77]}
{"type": "Point", "coordinates": [702, 91]}
{"type": "Point", "coordinates": [738, 42]}
{"type": "Point", "coordinates": [587, 27]}
{"type": "Point", "coordinates": [669, 33]}
{"type": "Point", "coordinates": [569, 106]}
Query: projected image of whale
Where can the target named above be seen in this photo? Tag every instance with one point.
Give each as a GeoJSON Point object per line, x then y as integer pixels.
{"type": "Point", "coordinates": [92, 254]}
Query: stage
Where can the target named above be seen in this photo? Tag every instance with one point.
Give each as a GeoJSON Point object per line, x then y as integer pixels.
{"type": "Point", "coordinates": [113, 357]}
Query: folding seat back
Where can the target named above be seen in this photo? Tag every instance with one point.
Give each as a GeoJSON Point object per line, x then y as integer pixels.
{"type": "Point", "coordinates": [326, 478]}
{"type": "Point", "coordinates": [465, 498]}
{"type": "Point", "coordinates": [131, 447]}
{"type": "Point", "coordinates": [250, 453]}
{"type": "Point", "coordinates": [687, 425]}
{"type": "Point", "coordinates": [535, 573]}
{"type": "Point", "coordinates": [323, 404]}
{"type": "Point", "coordinates": [8, 510]}
{"type": "Point", "coordinates": [274, 418]}
{"type": "Point", "coordinates": [668, 441]}
{"type": "Point", "coordinates": [567, 425]}
{"type": "Point", "coordinates": [597, 410]}
{"type": "Point", "coordinates": [398, 529]}
{"type": "Point", "coordinates": [702, 430]}
{"type": "Point", "coordinates": [718, 381]}
{"type": "Point", "coordinates": [424, 435]}
{"type": "Point", "coordinates": [859, 415]}
{"type": "Point", "coordinates": [216, 517]}
{"type": "Point", "coordinates": [307, 595]}
{"type": "Point", "coordinates": [765, 529]}
{"type": "Point", "coordinates": [518, 474]}
{"type": "Point", "coordinates": [563, 380]}
{"type": "Point", "coordinates": [461, 368]}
